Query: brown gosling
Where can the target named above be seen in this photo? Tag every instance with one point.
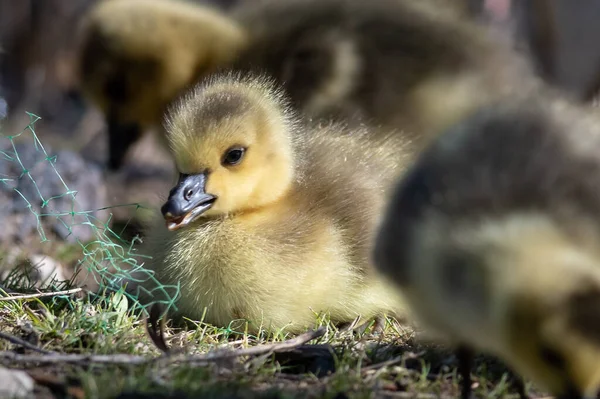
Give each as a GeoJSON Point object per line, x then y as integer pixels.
{"type": "Point", "coordinates": [272, 219]}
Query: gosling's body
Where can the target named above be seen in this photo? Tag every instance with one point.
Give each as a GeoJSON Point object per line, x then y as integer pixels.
{"type": "Point", "coordinates": [291, 238]}
{"type": "Point", "coordinates": [413, 66]}
{"type": "Point", "coordinates": [493, 238]}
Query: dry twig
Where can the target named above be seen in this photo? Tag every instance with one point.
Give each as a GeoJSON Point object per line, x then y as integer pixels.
{"type": "Point", "coordinates": [41, 294]}
{"type": "Point", "coordinates": [261, 349]}
{"type": "Point", "coordinates": [74, 358]}
{"type": "Point", "coordinates": [23, 343]}
{"type": "Point", "coordinates": [139, 360]}
{"type": "Point", "coordinates": [387, 363]}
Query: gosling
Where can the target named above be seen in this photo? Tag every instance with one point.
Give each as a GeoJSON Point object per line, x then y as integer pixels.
{"type": "Point", "coordinates": [272, 219]}
{"type": "Point", "coordinates": [136, 56]}
{"type": "Point", "coordinates": [493, 238]}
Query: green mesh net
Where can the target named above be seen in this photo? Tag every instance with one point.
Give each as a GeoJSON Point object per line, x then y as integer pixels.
{"type": "Point", "coordinates": [110, 260]}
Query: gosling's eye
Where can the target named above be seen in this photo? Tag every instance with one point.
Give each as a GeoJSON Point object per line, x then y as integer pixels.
{"type": "Point", "coordinates": [233, 156]}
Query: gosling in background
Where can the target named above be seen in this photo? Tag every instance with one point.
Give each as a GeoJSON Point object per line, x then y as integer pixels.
{"type": "Point", "coordinates": [271, 220]}
{"type": "Point", "coordinates": [493, 238]}
{"type": "Point", "coordinates": [409, 65]}
{"type": "Point", "coordinates": [136, 56]}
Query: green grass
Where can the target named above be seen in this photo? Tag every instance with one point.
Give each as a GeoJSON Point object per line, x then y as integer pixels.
{"type": "Point", "coordinates": [337, 365]}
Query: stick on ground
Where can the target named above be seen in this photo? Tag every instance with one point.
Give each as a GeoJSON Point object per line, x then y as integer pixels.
{"type": "Point", "coordinates": [23, 343]}
{"type": "Point", "coordinates": [40, 294]}
{"type": "Point", "coordinates": [54, 358]}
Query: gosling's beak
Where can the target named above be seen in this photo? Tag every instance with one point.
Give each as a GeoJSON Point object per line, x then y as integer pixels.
{"type": "Point", "coordinates": [187, 201]}
{"type": "Point", "coordinates": [120, 137]}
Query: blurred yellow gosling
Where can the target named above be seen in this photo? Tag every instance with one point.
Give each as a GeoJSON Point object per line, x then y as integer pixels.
{"type": "Point", "coordinates": [494, 238]}
{"type": "Point", "coordinates": [136, 56]}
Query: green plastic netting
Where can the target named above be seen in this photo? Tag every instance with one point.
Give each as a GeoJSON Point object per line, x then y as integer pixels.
{"type": "Point", "coordinates": [112, 261]}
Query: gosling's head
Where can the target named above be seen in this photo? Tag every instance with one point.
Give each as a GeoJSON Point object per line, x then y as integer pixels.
{"type": "Point", "coordinates": [495, 228]}
{"type": "Point", "coordinates": [232, 142]}
{"type": "Point", "coordinates": [137, 56]}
